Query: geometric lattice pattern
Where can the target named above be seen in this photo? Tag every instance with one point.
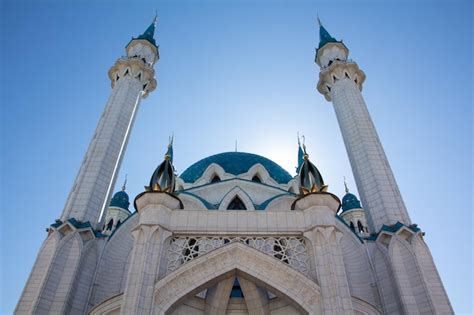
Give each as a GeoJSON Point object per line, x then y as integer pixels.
{"type": "Point", "coordinates": [289, 249]}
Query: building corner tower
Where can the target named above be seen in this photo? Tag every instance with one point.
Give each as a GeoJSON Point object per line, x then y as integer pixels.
{"type": "Point", "coordinates": [62, 274]}
{"type": "Point", "coordinates": [340, 81]}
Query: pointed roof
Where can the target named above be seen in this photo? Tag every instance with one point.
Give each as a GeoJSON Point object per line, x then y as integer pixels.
{"type": "Point", "coordinates": [349, 201]}
{"type": "Point", "coordinates": [120, 199]}
{"type": "Point", "coordinates": [149, 34]}
{"type": "Point", "coordinates": [324, 36]}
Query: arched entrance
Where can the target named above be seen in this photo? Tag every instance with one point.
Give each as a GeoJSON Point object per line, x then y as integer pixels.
{"type": "Point", "coordinates": [243, 262]}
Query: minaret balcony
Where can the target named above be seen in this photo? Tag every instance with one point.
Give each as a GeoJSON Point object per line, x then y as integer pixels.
{"type": "Point", "coordinates": [339, 70]}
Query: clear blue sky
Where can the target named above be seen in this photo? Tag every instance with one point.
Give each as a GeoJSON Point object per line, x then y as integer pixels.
{"type": "Point", "coordinates": [241, 70]}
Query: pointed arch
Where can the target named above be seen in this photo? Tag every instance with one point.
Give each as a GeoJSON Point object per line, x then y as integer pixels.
{"type": "Point", "coordinates": [260, 172]}
{"type": "Point", "coordinates": [210, 172]}
{"type": "Point", "coordinates": [232, 194]}
{"type": "Point", "coordinates": [236, 204]}
{"type": "Point", "coordinates": [245, 262]}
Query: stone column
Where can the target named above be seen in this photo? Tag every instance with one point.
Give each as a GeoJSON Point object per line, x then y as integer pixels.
{"type": "Point", "coordinates": [324, 238]}
{"type": "Point", "coordinates": [154, 209]}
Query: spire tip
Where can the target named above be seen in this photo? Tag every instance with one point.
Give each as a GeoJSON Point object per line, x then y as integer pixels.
{"type": "Point", "coordinates": [345, 185]}
{"type": "Point", "coordinates": [124, 186]}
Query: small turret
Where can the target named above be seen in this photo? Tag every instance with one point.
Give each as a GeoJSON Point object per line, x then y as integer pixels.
{"type": "Point", "coordinates": [353, 214]}
{"type": "Point", "coordinates": [163, 178]}
{"type": "Point", "coordinates": [118, 210]}
{"type": "Point", "coordinates": [144, 46]}
{"type": "Point", "coordinates": [309, 177]}
{"type": "Point", "coordinates": [329, 49]}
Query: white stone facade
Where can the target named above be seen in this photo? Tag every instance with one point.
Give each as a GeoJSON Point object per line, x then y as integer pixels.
{"type": "Point", "coordinates": [235, 237]}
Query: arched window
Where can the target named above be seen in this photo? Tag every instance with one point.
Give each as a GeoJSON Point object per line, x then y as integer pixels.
{"type": "Point", "coordinates": [236, 204]}
{"type": "Point", "coordinates": [256, 179]}
{"type": "Point", "coordinates": [360, 227]}
{"type": "Point", "coordinates": [215, 179]}
{"type": "Point", "coordinates": [352, 226]}
{"type": "Point", "coordinates": [110, 224]}
{"type": "Point", "coordinates": [118, 223]}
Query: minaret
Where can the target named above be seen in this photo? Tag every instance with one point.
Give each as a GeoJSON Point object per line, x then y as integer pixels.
{"type": "Point", "coordinates": [117, 211]}
{"type": "Point", "coordinates": [132, 78]}
{"type": "Point", "coordinates": [340, 81]}
{"type": "Point", "coordinates": [353, 214]}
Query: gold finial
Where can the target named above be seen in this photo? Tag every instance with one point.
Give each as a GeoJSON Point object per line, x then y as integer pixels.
{"type": "Point", "coordinates": [124, 186]}
{"type": "Point", "coordinates": [235, 145]}
{"type": "Point", "coordinates": [345, 185]}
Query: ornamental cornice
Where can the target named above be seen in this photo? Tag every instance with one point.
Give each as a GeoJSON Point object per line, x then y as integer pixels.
{"type": "Point", "coordinates": [339, 70]}
{"type": "Point", "coordinates": [135, 68]}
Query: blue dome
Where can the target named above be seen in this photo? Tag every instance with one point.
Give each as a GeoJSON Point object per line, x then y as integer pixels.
{"type": "Point", "coordinates": [349, 202]}
{"type": "Point", "coordinates": [236, 163]}
{"type": "Point", "coordinates": [120, 200]}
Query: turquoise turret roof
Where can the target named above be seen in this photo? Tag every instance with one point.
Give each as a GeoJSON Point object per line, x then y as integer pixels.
{"type": "Point", "coordinates": [349, 202]}
{"type": "Point", "coordinates": [325, 37]}
{"type": "Point", "coordinates": [236, 163]}
{"type": "Point", "coordinates": [149, 33]}
{"type": "Point", "coordinates": [120, 200]}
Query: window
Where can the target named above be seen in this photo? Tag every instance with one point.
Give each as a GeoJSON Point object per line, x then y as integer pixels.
{"type": "Point", "coordinates": [215, 179]}
{"type": "Point", "coordinates": [352, 226]}
{"type": "Point", "coordinates": [236, 204]}
{"type": "Point", "coordinates": [256, 179]}
{"type": "Point", "coordinates": [118, 223]}
{"type": "Point", "coordinates": [236, 290]}
{"type": "Point", "coordinates": [110, 225]}
{"type": "Point", "coordinates": [360, 227]}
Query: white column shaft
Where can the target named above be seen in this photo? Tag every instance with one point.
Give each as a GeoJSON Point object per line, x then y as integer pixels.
{"type": "Point", "coordinates": [376, 184]}
{"type": "Point", "coordinates": [91, 191]}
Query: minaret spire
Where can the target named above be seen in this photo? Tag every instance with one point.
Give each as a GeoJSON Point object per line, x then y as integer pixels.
{"type": "Point", "coordinates": [124, 186]}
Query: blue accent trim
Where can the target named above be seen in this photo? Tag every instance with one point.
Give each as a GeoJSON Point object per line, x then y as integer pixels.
{"type": "Point", "coordinates": [78, 225]}
{"type": "Point", "coordinates": [264, 204]}
{"type": "Point", "coordinates": [207, 204]}
{"type": "Point", "coordinates": [393, 229]}
{"type": "Point", "coordinates": [235, 163]}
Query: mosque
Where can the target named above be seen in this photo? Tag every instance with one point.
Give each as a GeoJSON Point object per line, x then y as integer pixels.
{"type": "Point", "coordinates": [234, 233]}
